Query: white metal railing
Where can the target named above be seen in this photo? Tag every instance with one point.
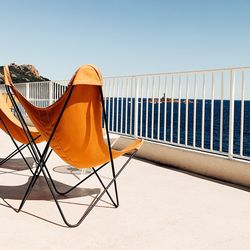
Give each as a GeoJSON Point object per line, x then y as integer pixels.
{"type": "Point", "coordinates": [41, 94]}
{"type": "Point", "coordinates": [207, 110]}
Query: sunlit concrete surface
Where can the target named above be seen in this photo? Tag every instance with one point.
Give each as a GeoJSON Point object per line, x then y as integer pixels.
{"type": "Point", "coordinates": [160, 208]}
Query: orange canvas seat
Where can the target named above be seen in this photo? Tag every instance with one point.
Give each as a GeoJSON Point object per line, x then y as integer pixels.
{"type": "Point", "coordinates": [72, 126]}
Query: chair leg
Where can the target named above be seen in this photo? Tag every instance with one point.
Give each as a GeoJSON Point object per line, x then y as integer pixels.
{"type": "Point", "coordinates": [28, 190]}
{"type": "Point", "coordinates": [109, 195]}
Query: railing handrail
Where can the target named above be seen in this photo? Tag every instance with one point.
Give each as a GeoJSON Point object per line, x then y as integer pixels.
{"type": "Point", "coordinates": [180, 72]}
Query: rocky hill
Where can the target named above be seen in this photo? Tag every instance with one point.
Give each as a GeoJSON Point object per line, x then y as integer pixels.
{"type": "Point", "coordinates": [23, 73]}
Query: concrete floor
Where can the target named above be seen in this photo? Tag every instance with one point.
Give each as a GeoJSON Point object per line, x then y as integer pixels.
{"type": "Point", "coordinates": [160, 208]}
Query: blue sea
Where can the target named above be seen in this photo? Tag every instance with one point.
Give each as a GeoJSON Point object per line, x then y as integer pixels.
{"type": "Point", "coordinates": [159, 124]}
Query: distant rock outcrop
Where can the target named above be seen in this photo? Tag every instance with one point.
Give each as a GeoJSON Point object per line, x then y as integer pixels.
{"type": "Point", "coordinates": [23, 73]}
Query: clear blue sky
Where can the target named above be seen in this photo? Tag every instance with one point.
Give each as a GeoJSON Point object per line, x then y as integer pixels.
{"type": "Point", "coordinates": [125, 37]}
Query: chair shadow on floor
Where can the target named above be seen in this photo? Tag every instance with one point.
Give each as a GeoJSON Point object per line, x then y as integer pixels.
{"type": "Point", "coordinates": [42, 192]}
{"type": "Point", "coordinates": [16, 164]}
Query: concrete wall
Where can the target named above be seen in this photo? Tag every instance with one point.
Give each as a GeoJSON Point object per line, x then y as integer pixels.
{"type": "Point", "coordinates": [220, 167]}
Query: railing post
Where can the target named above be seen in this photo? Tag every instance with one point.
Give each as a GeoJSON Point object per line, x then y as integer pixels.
{"type": "Point", "coordinates": [50, 93]}
{"type": "Point", "coordinates": [231, 115]}
{"type": "Point", "coordinates": [27, 92]}
{"type": "Point", "coordinates": [136, 107]}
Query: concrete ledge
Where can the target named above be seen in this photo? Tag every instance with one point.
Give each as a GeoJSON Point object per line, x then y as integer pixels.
{"type": "Point", "coordinates": [215, 166]}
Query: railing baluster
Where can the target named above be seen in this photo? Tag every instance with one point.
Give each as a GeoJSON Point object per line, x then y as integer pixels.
{"type": "Point", "coordinates": [212, 115]}
{"type": "Point", "coordinates": [231, 115]}
{"type": "Point", "coordinates": [172, 110]}
{"type": "Point", "coordinates": [165, 109]}
{"type": "Point", "coordinates": [113, 104]}
{"type": "Point", "coordinates": [194, 121]}
{"type": "Point", "coordinates": [147, 96]}
{"type": "Point", "coordinates": [117, 103]}
{"type": "Point", "coordinates": [122, 104]}
{"type": "Point", "coordinates": [136, 108]}
{"type": "Point", "coordinates": [141, 119]}
{"type": "Point", "coordinates": [242, 116]}
{"type": "Point", "coordinates": [179, 111]}
{"type": "Point", "coordinates": [131, 104]}
{"type": "Point", "coordinates": [106, 98]}
{"type": "Point", "coordinates": [57, 91]}
{"type": "Point", "coordinates": [109, 112]}
{"type": "Point", "coordinates": [126, 117]}
{"type": "Point", "coordinates": [104, 90]}
{"type": "Point", "coordinates": [27, 91]}
{"type": "Point", "coordinates": [153, 108]}
{"type": "Point", "coordinates": [186, 123]}
{"type": "Point", "coordinates": [159, 107]}
{"type": "Point", "coordinates": [50, 93]}
{"type": "Point", "coordinates": [203, 111]}
{"type": "Point", "coordinates": [221, 110]}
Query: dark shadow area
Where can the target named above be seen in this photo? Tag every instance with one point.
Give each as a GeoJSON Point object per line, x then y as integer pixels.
{"type": "Point", "coordinates": [17, 164]}
{"type": "Point", "coordinates": [41, 191]}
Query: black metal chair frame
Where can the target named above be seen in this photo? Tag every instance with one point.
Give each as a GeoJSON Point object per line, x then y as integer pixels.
{"type": "Point", "coordinates": [41, 159]}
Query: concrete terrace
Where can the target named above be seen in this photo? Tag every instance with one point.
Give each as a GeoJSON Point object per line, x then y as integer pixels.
{"type": "Point", "coordinates": [160, 208]}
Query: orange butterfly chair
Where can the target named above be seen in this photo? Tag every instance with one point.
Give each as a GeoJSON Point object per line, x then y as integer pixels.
{"type": "Point", "coordinates": [72, 127]}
